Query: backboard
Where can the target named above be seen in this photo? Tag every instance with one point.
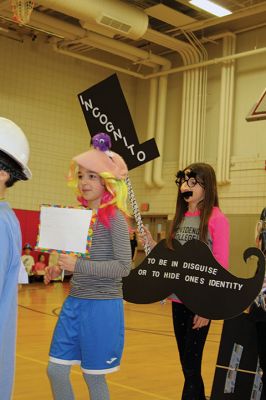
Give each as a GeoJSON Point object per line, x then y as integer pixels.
{"type": "Point", "coordinates": [258, 111]}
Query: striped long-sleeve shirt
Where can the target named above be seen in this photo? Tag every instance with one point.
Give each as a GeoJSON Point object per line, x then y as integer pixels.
{"type": "Point", "coordinates": [100, 277]}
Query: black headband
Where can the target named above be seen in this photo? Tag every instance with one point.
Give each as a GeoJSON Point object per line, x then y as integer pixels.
{"type": "Point", "coordinates": [9, 165]}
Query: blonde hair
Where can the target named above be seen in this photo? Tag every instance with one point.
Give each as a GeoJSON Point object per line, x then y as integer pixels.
{"type": "Point", "coordinates": [115, 195]}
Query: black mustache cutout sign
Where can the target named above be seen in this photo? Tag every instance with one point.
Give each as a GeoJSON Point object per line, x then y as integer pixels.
{"type": "Point", "coordinates": [200, 282]}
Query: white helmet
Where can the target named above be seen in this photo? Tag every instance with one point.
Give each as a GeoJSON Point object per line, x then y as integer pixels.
{"type": "Point", "coordinates": [14, 143]}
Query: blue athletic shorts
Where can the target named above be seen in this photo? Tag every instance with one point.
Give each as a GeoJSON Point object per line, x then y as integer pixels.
{"type": "Point", "coordinates": [90, 333]}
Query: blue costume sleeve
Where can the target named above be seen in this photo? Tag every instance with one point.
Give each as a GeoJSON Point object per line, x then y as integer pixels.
{"type": "Point", "coordinates": [5, 249]}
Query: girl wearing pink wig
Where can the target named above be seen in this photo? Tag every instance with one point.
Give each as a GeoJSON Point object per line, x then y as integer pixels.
{"type": "Point", "coordinates": [90, 328]}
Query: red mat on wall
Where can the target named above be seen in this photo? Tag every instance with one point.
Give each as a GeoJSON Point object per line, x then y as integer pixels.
{"type": "Point", "coordinates": [29, 223]}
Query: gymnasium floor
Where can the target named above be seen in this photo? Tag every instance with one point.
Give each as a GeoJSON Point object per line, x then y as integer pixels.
{"type": "Point", "coordinates": [150, 367]}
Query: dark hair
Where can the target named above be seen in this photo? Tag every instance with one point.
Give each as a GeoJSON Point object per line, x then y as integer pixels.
{"type": "Point", "coordinates": [27, 246]}
{"type": "Point", "coordinates": [263, 215]}
{"type": "Point", "coordinates": [39, 256]}
{"type": "Point", "coordinates": [12, 167]}
{"type": "Point", "coordinates": [262, 235]}
{"type": "Point", "coordinates": [206, 175]}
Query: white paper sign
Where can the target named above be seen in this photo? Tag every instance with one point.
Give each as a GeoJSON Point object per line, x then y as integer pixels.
{"type": "Point", "coordinates": [64, 229]}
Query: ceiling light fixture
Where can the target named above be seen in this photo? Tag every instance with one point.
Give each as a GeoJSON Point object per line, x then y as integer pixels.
{"type": "Point", "coordinates": [211, 7]}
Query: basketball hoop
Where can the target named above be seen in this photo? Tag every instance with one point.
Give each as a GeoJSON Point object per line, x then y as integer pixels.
{"type": "Point", "coordinates": [22, 10]}
{"type": "Point", "coordinates": [258, 111]}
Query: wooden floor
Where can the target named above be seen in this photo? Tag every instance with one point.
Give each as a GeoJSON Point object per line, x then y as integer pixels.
{"type": "Point", "coordinates": [150, 366]}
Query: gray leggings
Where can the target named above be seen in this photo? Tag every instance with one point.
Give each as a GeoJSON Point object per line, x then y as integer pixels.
{"type": "Point", "coordinates": [59, 376]}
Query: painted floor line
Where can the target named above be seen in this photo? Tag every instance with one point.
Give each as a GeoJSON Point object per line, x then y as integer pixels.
{"type": "Point", "coordinates": [152, 395]}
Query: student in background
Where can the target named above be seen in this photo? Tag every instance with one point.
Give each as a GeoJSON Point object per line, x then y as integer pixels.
{"type": "Point", "coordinates": [261, 320]}
{"type": "Point", "coordinates": [134, 245]}
{"type": "Point", "coordinates": [28, 260]}
{"type": "Point", "coordinates": [14, 155]}
{"type": "Point", "coordinates": [39, 267]}
{"type": "Point", "coordinates": [197, 212]}
{"type": "Point", "coordinates": [260, 235]}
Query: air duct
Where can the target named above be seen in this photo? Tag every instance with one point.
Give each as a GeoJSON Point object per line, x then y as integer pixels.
{"type": "Point", "coordinates": [113, 15]}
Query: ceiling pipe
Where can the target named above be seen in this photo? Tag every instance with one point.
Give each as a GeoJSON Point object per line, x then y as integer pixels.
{"type": "Point", "coordinates": [201, 98]}
{"type": "Point", "coordinates": [151, 128]}
{"type": "Point", "coordinates": [250, 28]}
{"type": "Point", "coordinates": [162, 39]}
{"type": "Point", "coordinates": [190, 112]}
{"type": "Point", "coordinates": [51, 25]}
{"type": "Point", "coordinates": [225, 119]}
{"type": "Point", "coordinates": [97, 62]}
{"type": "Point", "coordinates": [42, 21]}
{"type": "Point", "coordinates": [160, 131]}
{"type": "Point", "coordinates": [193, 104]}
{"type": "Point", "coordinates": [45, 24]}
{"type": "Point", "coordinates": [100, 44]}
{"type": "Point", "coordinates": [206, 63]}
{"type": "Point", "coordinates": [72, 32]}
{"type": "Point", "coordinates": [202, 119]}
{"type": "Point", "coordinates": [114, 15]}
{"type": "Point", "coordinates": [112, 45]}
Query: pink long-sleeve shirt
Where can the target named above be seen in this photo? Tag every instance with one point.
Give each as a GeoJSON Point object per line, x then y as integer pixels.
{"type": "Point", "coordinates": [218, 235]}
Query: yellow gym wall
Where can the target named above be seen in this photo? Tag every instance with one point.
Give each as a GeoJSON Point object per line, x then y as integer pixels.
{"type": "Point", "coordinates": [39, 92]}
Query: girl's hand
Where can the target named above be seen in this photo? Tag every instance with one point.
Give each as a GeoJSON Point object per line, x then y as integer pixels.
{"type": "Point", "coordinates": [50, 273]}
{"type": "Point", "coordinates": [199, 322]}
{"type": "Point", "coordinates": [148, 237]}
{"type": "Point", "coordinates": [67, 262]}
